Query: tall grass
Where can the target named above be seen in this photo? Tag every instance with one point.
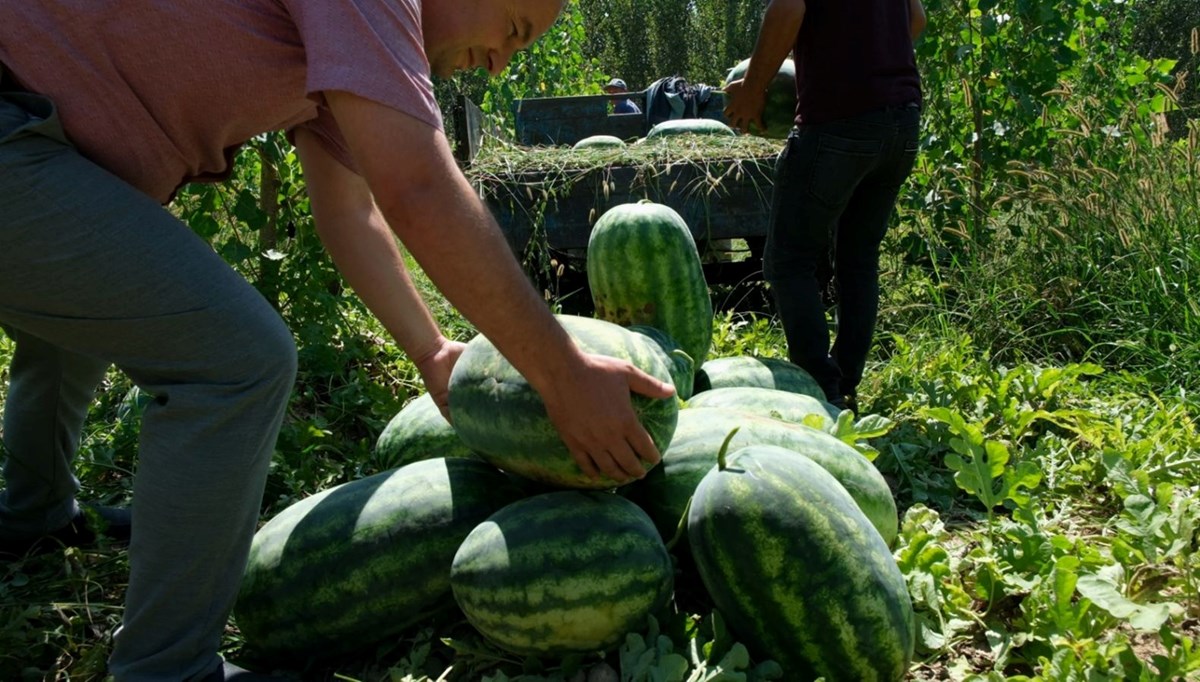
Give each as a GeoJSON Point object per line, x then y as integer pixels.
{"type": "Point", "coordinates": [1094, 258]}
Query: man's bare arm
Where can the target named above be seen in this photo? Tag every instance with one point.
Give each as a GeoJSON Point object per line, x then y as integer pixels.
{"type": "Point", "coordinates": [431, 207]}
{"type": "Point", "coordinates": [746, 98]}
{"type": "Point", "coordinates": [363, 247]}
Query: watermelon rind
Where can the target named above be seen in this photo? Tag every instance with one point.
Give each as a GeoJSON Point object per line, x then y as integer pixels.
{"type": "Point", "coordinates": [688, 126]}
{"type": "Point", "coordinates": [750, 370]}
{"type": "Point", "coordinates": [779, 110]}
{"type": "Point", "coordinates": [502, 418]}
{"type": "Point", "coordinates": [599, 142]}
{"type": "Point", "coordinates": [568, 572]}
{"type": "Point", "coordinates": [417, 432]}
{"type": "Point", "coordinates": [796, 570]}
{"type": "Point", "coordinates": [665, 490]}
{"type": "Point", "coordinates": [796, 408]}
{"type": "Point", "coordinates": [354, 564]}
{"type": "Point", "coordinates": [643, 268]}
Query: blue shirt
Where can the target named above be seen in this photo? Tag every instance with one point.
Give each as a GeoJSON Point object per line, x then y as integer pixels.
{"type": "Point", "coordinates": [626, 106]}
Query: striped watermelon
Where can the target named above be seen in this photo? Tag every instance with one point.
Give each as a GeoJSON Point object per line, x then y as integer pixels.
{"type": "Point", "coordinates": [359, 562]}
{"type": "Point", "coordinates": [748, 370]}
{"type": "Point", "coordinates": [688, 126]}
{"type": "Point", "coordinates": [796, 408]}
{"type": "Point", "coordinates": [501, 417]}
{"type": "Point", "coordinates": [665, 490]}
{"type": "Point", "coordinates": [563, 572]}
{"type": "Point", "coordinates": [683, 370]}
{"type": "Point", "coordinates": [798, 572]}
{"type": "Point", "coordinates": [418, 431]}
{"type": "Point", "coordinates": [599, 142]}
{"type": "Point", "coordinates": [779, 112]}
{"type": "Point", "coordinates": [643, 268]}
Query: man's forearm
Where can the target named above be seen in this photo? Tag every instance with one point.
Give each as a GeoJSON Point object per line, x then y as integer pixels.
{"type": "Point", "coordinates": [776, 36]}
{"type": "Point", "coordinates": [460, 246]}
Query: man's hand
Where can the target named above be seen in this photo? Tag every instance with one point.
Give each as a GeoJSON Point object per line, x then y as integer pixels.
{"type": "Point", "coordinates": [744, 107]}
{"type": "Point", "coordinates": [435, 367]}
{"type": "Point", "coordinates": [592, 412]}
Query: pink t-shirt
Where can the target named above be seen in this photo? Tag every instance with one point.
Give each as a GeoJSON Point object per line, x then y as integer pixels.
{"type": "Point", "coordinates": [162, 92]}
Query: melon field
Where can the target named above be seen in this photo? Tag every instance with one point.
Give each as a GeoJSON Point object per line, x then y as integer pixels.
{"type": "Point", "coordinates": [1017, 497]}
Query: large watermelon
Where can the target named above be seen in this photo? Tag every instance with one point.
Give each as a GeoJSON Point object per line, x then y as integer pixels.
{"type": "Point", "coordinates": [501, 417]}
{"type": "Point", "coordinates": [354, 564]}
{"type": "Point", "coordinates": [748, 370]}
{"type": "Point", "coordinates": [779, 112]}
{"type": "Point", "coordinates": [796, 408]}
{"type": "Point", "coordinates": [798, 572]}
{"type": "Point", "coordinates": [665, 490]}
{"type": "Point", "coordinates": [643, 268]}
{"type": "Point", "coordinates": [418, 431]}
{"type": "Point", "coordinates": [689, 126]}
{"type": "Point", "coordinates": [562, 572]}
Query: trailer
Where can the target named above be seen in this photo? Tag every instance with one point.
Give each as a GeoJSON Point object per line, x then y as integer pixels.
{"type": "Point", "coordinates": [547, 198]}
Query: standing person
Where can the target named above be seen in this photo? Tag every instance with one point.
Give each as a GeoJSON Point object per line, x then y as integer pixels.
{"type": "Point", "coordinates": [857, 117]}
{"type": "Point", "coordinates": [106, 109]}
{"type": "Point", "coordinates": [617, 86]}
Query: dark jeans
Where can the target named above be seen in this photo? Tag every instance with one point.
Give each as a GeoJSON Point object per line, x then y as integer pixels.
{"type": "Point", "coordinates": [835, 189]}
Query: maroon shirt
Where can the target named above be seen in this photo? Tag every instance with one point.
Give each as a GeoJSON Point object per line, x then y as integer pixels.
{"type": "Point", "coordinates": [853, 56]}
{"type": "Point", "coordinates": [162, 92]}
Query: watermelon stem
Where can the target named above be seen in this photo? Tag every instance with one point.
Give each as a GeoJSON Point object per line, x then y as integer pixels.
{"type": "Point", "coordinates": [725, 447]}
{"type": "Point", "coordinates": [681, 527]}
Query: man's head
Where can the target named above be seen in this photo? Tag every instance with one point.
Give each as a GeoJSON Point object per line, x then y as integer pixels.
{"type": "Point", "coordinates": [462, 35]}
{"type": "Point", "coordinates": [614, 86]}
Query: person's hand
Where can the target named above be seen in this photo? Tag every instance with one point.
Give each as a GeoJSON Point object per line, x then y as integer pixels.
{"type": "Point", "coordinates": [744, 107]}
{"type": "Point", "coordinates": [435, 366]}
{"type": "Point", "coordinates": [594, 415]}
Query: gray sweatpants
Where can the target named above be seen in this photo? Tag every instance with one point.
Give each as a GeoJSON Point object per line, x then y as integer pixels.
{"type": "Point", "coordinates": [93, 273]}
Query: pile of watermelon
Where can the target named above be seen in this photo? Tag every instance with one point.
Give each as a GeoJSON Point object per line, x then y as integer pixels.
{"type": "Point", "coordinates": [785, 527]}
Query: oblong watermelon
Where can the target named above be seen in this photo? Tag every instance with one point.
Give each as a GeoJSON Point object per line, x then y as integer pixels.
{"type": "Point", "coordinates": [798, 572]}
{"type": "Point", "coordinates": [796, 408]}
{"type": "Point", "coordinates": [749, 370]}
{"type": "Point", "coordinates": [563, 572]}
{"type": "Point", "coordinates": [700, 431]}
{"type": "Point", "coordinates": [501, 417]}
{"type": "Point", "coordinates": [643, 269]}
{"type": "Point", "coordinates": [417, 432]}
{"type": "Point", "coordinates": [779, 112]}
{"type": "Point", "coordinates": [689, 126]}
{"type": "Point", "coordinates": [599, 142]}
{"type": "Point", "coordinates": [354, 564]}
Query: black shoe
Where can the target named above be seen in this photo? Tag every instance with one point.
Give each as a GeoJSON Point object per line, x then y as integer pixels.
{"type": "Point", "coordinates": [84, 530]}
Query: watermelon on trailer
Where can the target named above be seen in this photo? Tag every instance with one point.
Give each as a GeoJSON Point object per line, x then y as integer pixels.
{"type": "Point", "coordinates": [665, 490]}
{"type": "Point", "coordinates": [797, 571]}
{"type": "Point", "coordinates": [359, 562]}
{"type": "Point", "coordinates": [779, 112]}
{"type": "Point", "coordinates": [643, 269]}
{"type": "Point", "coordinates": [796, 408]}
{"type": "Point", "coordinates": [418, 431]}
{"type": "Point", "coordinates": [561, 573]}
{"type": "Point", "coordinates": [501, 417]}
{"type": "Point", "coordinates": [599, 142]}
{"type": "Point", "coordinates": [749, 370]}
{"type": "Point", "coordinates": [688, 126]}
